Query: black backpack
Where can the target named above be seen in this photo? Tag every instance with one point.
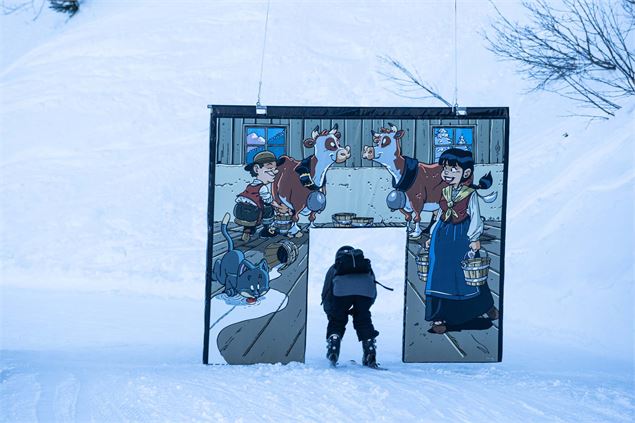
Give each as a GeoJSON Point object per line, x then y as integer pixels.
{"type": "Point", "coordinates": [361, 277]}
{"type": "Point", "coordinates": [352, 261]}
{"type": "Point", "coordinates": [355, 284]}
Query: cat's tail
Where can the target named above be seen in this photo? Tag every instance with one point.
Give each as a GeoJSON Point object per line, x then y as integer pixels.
{"type": "Point", "coordinates": [223, 229]}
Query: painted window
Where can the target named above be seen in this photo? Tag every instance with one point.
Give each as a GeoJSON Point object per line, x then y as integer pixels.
{"type": "Point", "coordinates": [446, 137]}
{"type": "Point", "coordinates": [260, 138]}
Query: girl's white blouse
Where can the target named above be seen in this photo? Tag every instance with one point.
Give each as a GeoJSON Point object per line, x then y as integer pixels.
{"type": "Point", "coordinates": [476, 223]}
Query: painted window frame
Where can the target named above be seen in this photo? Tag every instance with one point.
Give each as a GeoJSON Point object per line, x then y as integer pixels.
{"type": "Point", "coordinates": [454, 144]}
{"type": "Point", "coordinates": [266, 126]}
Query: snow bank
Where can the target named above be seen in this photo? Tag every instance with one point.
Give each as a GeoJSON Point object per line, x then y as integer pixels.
{"type": "Point", "coordinates": [103, 193]}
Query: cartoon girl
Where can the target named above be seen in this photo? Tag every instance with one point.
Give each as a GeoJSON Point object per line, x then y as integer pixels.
{"type": "Point", "coordinates": [449, 300]}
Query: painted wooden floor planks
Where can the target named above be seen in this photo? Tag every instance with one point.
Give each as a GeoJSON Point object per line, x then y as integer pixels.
{"type": "Point", "coordinates": [420, 345]}
{"type": "Point", "coordinates": [279, 336]}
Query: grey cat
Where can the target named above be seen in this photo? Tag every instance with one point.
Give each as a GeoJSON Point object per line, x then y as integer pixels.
{"type": "Point", "coordinates": [238, 275]}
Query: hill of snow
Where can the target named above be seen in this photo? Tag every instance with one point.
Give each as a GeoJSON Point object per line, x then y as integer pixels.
{"type": "Point", "coordinates": [103, 194]}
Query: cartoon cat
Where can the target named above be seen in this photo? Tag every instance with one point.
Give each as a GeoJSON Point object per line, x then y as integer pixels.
{"type": "Point", "coordinates": [238, 275]}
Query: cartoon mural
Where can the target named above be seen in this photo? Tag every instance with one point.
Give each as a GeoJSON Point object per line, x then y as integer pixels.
{"type": "Point", "coordinates": [254, 206]}
{"type": "Point", "coordinates": [450, 299]}
{"type": "Point", "coordinates": [301, 183]}
{"type": "Point", "coordinates": [409, 168]}
{"type": "Point", "coordinates": [417, 186]}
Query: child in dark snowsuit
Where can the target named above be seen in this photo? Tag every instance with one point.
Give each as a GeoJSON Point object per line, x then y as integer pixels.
{"type": "Point", "coordinates": [349, 288]}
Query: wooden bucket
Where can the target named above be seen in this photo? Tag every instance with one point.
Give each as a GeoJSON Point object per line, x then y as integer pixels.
{"type": "Point", "coordinates": [476, 269]}
{"type": "Point", "coordinates": [343, 220]}
{"type": "Point", "coordinates": [423, 264]}
{"type": "Point", "coordinates": [283, 223]}
{"type": "Point", "coordinates": [285, 252]}
{"type": "Point", "coordinates": [360, 222]}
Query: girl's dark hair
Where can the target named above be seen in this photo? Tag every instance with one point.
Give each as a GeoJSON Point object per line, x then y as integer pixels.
{"type": "Point", "coordinates": [464, 160]}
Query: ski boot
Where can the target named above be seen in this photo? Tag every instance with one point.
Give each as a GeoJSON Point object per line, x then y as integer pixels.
{"type": "Point", "coordinates": [333, 348]}
{"type": "Point", "coordinates": [370, 353]}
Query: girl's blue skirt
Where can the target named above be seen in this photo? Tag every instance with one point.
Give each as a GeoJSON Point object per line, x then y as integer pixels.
{"type": "Point", "coordinates": [448, 297]}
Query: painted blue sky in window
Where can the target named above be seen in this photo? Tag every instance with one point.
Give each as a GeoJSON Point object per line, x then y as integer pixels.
{"type": "Point", "coordinates": [276, 136]}
{"type": "Point", "coordinates": [278, 151]}
{"type": "Point", "coordinates": [447, 137]}
{"type": "Point", "coordinates": [438, 151]}
{"type": "Point", "coordinates": [464, 135]}
{"type": "Point", "coordinates": [260, 138]}
{"type": "Point", "coordinates": [255, 136]}
{"type": "Point", "coordinates": [443, 136]}
{"type": "Point", "coordinates": [251, 152]}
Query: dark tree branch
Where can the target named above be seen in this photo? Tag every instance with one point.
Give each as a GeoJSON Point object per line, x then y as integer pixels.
{"type": "Point", "coordinates": [584, 51]}
{"type": "Point", "coordinates": [8, 9]}
{"type": "Point", "coordinates": [409, 81]}
{"type": "Point", "coordinates": [65, 6]}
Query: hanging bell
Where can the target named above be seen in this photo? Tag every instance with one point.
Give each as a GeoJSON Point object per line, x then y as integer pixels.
{"type": "Point", "coordinates": [396, 200]}
{"type": "Point", "coordinates": [316, 201]}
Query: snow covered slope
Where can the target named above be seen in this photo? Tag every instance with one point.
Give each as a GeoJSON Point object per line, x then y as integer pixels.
{"type": "Point", "coordinates": [103, 193]}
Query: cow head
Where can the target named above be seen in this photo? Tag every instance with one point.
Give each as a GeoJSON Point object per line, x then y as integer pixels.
{"type": "Point", "coordinates": [328, 150]}
{"type": "Point", "coordinates": [386, 145]}
{"type": "Point", "coordinates": [327, 146]}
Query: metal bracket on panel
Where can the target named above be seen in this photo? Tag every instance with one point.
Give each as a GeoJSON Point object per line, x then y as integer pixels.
{"type": "Point", "coordinates": [260, 109]}
{"type": "Point", "coordinates": [460, 111]}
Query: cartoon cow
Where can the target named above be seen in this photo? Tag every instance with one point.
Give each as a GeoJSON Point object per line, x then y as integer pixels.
{"type": "Point", "coordinates": [417, 186]}
{"type": "Point", "coordinates": [300, 185]}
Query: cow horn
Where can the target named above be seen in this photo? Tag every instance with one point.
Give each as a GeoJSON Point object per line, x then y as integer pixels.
{"type": "Point", "coordinates": [393, 128]}
{"type": "Point", "coordinates": [373, 133]}
{"type": "Point", "coordinates": [334, 129]}
{"type": "Point", "coordinates": [316, 132]}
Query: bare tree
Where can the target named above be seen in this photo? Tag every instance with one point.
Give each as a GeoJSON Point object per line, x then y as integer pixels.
{"type": "Point", "coordinates": [584, 50]}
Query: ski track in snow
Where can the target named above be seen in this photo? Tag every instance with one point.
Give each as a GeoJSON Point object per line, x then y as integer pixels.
{"type": "Point", "coordinates": [116, 390]}
{"type": "Point", "coordinates": [144, 376]}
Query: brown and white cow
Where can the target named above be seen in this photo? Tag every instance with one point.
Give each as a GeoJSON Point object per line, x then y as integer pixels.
{"type": "Point", "coordinates": [418, 186]}
{"type": "Point", "coordinates": [300, 185]}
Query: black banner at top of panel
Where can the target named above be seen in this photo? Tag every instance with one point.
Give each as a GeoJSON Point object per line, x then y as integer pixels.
{"type": "Point", "coordinates": [314, 112]}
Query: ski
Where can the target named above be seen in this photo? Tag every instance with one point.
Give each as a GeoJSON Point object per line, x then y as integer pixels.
{"type": "Point", "coordinates": [375, 367]}
{"type": "Point", "coordinates": [355, 363]}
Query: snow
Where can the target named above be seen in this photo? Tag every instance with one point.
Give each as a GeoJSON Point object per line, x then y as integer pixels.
{"type": "Point", "coordinates": [103, 194]}
{"type": "Point", "coordinates": [141, 363]}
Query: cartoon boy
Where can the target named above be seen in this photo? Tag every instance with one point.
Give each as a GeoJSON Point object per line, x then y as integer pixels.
{"type": "Point", "coordinates": [255, 204]}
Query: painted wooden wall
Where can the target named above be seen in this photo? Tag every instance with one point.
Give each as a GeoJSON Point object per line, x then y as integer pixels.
{"type": "Point", "coordinates": [489, 136]}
